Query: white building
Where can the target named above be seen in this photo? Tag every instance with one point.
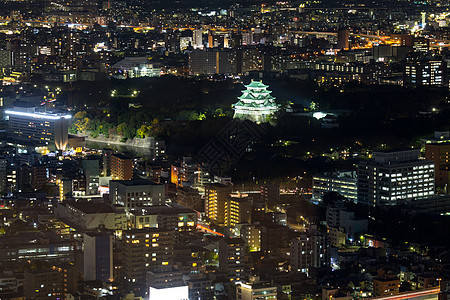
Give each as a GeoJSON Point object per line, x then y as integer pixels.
{"type": "Point", "coordinates": [132, 67]}
{"type": "Point", "coordinates": [393, 177]}
{"type": "Point", "coordinates": [198, 38]}
{"type": "Point", "coordinates": [172, 293]}
{"type": "Point", "coordinates": [84, 215]}
{"type": "Point", "coordinates": [343, 183]}
{"type": "Point", "coordinates": [255, 291]}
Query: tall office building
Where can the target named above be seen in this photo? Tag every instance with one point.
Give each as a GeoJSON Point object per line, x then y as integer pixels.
{"type": "Point", "coordinates": [393, 177]}
{"type": "Point", "coordinates": [203, 62]}
{"type": "Point", "coordinates": [231, 257]}
{"type": "Point", "coordinates": [343, 39]}
{"type": "Point", "coordinates": [98, 256]}
{"type": "Point", "coordinates": [38, 128]}
{"type": "Point", "coordinates": [439, 153]}
{"type": "Point", "coordinates": [121, 167]}
{"type": "Point", "coordinates": [425, 73]}
{"type": "Point", "coordinates": [136, 193]}
{"type": "Point", "coordinates": [91, 171]}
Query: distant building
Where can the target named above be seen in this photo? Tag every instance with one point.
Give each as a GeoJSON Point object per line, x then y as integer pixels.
{"type": "Point", "coordinates": [344, 183]}
{"type": "Point", "coordinates": [38, 128]}
{"type": "Point", "coordinates": [256, 104]}
{"type": "Point", "coordinates": [42, 285]}
{"type": "Point", "coordinates": [201, 288]}
{"type": "Point", "coordinates": [197, 36]}
{"type": "Point", "coordinates": [91, 171]}
{"type": "Point", "coordinates": [132, 67]}
{"type": "Point", "coordinates": [238, 208]}
{"type": "Point", "coordinates": [84, 215]}
{"type": "Point", "coordinates": [309, 250]}
{"type": "Point", "coordinates": [393, 177]}
{"type": "Point", "coordinates": [231, 257]}
{"type": "Point", "coordinates": [173, 217]}
{"type": "Point", "coordinates": [385, 285]}
{"type": "Point", "coordinates": [255, 291]}
{"type": "Point", "coordinates": [270, 193]}
{"type": "Point", "coordinates": [216, 197]}
{"type": "Point", "coordinates": [174, 293]}
{"type": "Point", "coordinates": [343, 39]}
{"type": "Point", "coordinates": [425, 73]}
{"type": "Point", "coordinates": [98, 256]}
{"type": "Point", "coordinates": [149, 249]}
{"type": "Point", "coordinates": [121, 167]}
{"type": "Point", "coordinates": [136, 193]}
{"type": "Point", "coordinates": [439, 153]}
{"type": "Point", "coordinates": [212, 61]}
{"type": "Point", "coordinates": [251, 234]}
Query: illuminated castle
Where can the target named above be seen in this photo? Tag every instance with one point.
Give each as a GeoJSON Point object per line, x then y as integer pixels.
{"type": "Point", "coordinates": [256, 104]}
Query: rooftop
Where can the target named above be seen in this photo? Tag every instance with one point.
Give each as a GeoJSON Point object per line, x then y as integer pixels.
{"type": "Point", "coordinates": [89, 207]}
{"type": "Point", "coordinates": [136, 182]}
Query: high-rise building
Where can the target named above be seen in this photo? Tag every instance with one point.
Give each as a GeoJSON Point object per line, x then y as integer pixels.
{"type": "Point", "coordinates": [149, 249]}
{"type": "Point", "coordinates": [231, 257]}
{"type": "Point", "coordinates": [216, 196]}
{"type": "Point", "coordinates": [198, 38]}
{"type": "Point", "coordinates": [38, 176]}
{"type": "Point", "coordinates": [203, 62]}
{"type": "Point", "coordinates": [343, 37]}
{"type": "Point", "coordinates": [251, 234]}
{"type": "Point", "coordinates": [6, 58]}
{"type": "Point", "coordinates": [121, 167]}
{"type": "Point", "coordinates": [238, 208]}
{"type": "Point", "coordinates": [136, 193]}
{"type": "Point", "coordinates": [439, 153]}
{"type": "Point", "coordinates": [393, 177]}
{"type": "Point", "coordinates": [107, 154]}
{"type": "Point", "coordinates": [425, 73]}
{"type": "Point", "coordinates": [270, 193]}
{"type": "Point", "coordinates": [256, 104]}
{"type": "Point", "coordinates": [91, 171]}
{"type": "Point", "coordinates": [3, 173]}
{"type": "Point", "coordinates": [309, 250]}
{"type": "Point", "coordinates": [98, 256]}
{"type": "Point", "coordinates": [37, 128]}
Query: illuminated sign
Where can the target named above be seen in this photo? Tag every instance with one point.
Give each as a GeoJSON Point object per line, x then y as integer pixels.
{"type": "Point", "coordinates": [37, 115]}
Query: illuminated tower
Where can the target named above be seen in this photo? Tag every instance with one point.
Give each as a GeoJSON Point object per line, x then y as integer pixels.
{"type": "Point", "coordinates": [256, 104]}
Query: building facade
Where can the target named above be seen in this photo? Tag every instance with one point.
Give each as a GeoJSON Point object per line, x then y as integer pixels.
{"type": "Point", "coordinates": [38, 128]}
{"type": "Point", "coordinates": [393, 177]}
